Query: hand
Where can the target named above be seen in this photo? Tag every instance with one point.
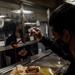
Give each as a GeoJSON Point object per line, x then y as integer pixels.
{"type": "Point", "coordinates": [35, 31]}
{"type": "Point", "coordinates": [22, 53]}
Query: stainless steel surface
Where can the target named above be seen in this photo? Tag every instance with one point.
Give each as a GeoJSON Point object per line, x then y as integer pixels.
{"type": "Point", "coordinates": [3, 48]}
{"type": "Point", "coordinates": [6, 70]}
{"type": "Point", "coordinates": [52, 61]}
{"type": "Point", "coordinates": [45, 59]}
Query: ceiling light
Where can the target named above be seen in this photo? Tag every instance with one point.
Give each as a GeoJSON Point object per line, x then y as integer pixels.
{"type": "Point", "coordinates": [28, 23]}
{"type": "Point", "coordinates": [24, 11]}
{"type": "Point", "coordinates": [7, 20]}
{"type": "Point", "coordinates": [2, 16]}
{"type": "Point", "coordinates": [71, 1]}
{"type": "Point", "coordinates": [26, 2]}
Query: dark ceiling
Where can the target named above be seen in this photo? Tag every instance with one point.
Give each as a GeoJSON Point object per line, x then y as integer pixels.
{"type": "Point", "coordinates": [48, 3]}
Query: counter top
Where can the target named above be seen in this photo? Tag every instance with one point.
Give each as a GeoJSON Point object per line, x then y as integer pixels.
{"type": "Point", "coordinates": [45, 59]}
{"type": "Point", "coordinates": [3, 48]}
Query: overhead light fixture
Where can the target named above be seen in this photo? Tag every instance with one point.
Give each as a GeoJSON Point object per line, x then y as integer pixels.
{"type": "Point", "coordinates": [31, 23]}
{"type": "Point", "coordinates": [70, 1]}
{"type": "Point", "coordinates": [24, 11]}
{"type": "Point", "coordinates": [2, 16]}
{"type": "Point", "coordinates": [7, 19]}
{"type": "Point", "coordinates": [26, 2]}
{"type": "Point", "coordinates": [28, 23]}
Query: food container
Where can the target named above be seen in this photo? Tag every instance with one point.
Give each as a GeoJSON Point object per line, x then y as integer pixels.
{"type": "Point", "coordinates": [32, 70]}
{"type": "Point", "coordinates": [28, 70]}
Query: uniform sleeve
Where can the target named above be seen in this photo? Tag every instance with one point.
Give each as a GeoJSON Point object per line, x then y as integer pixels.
{"type": "Point", "coordinates": [56, 48]}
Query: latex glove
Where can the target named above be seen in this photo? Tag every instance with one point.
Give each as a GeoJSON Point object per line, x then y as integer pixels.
{"type": "Point", "coordinates": [35, 31]}
{"type": "Point", "coordinates": [22, 53]}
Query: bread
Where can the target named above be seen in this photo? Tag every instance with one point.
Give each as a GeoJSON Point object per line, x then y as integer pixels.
{"type": "Point", "coordinates": [18, 70]}
{"type": "Point", "coordinates": [32, 69]}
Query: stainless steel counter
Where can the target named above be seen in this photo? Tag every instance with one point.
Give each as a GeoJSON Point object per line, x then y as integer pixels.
{"type": "Point", "coordinates": [3, 48]}
{"type": "Point", "coordinates": [45, 59]}
{"type": "Point", "coordinates": [52, 61]}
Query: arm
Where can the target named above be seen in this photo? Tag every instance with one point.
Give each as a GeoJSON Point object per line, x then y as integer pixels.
{"type": "Point", "coordinates": [54, 46]}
